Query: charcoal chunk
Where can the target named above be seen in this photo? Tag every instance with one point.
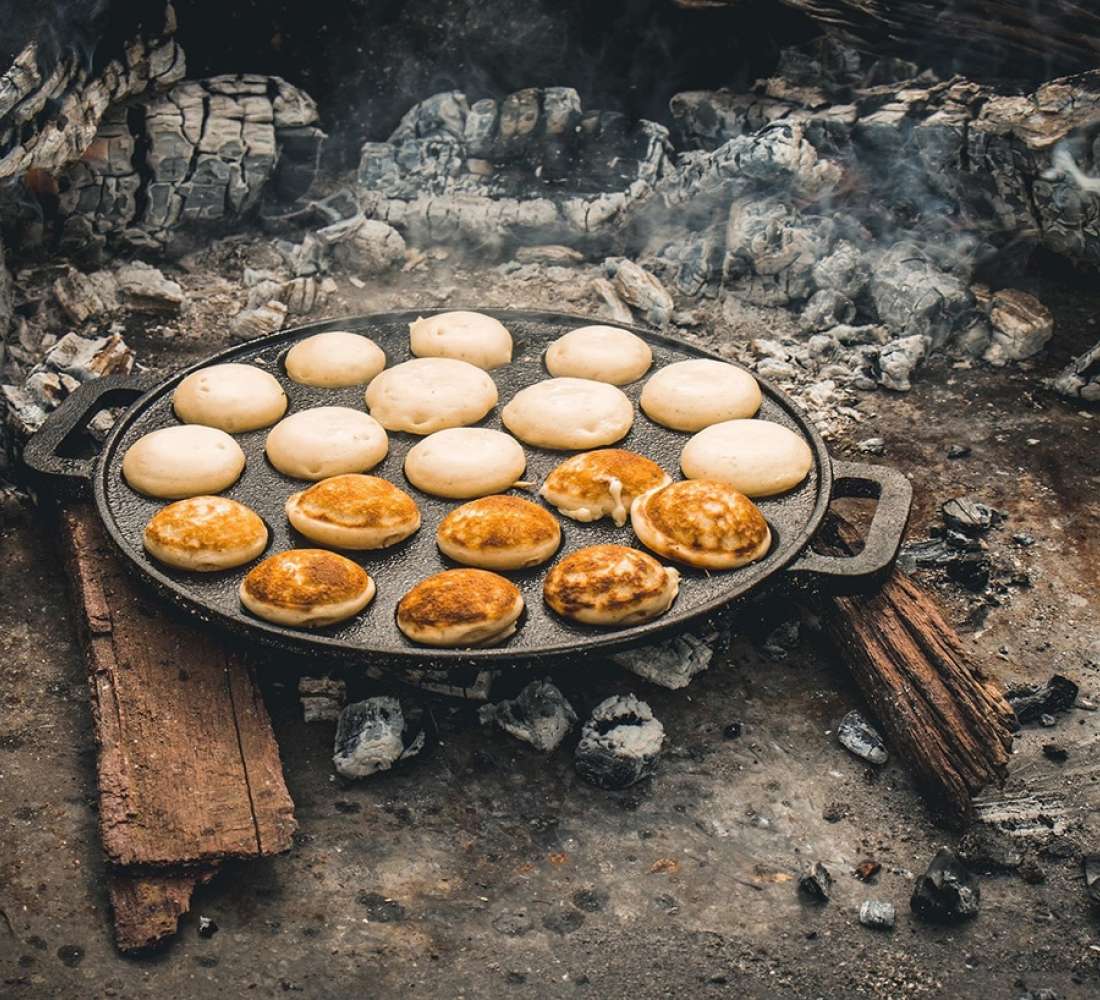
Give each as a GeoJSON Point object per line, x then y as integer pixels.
{"type": "Point", "coordinates": [372, 736]}
{"type": "Point", "coordinates": [986, 849]}
{"type": "Point", "coordinates": [859, 737]}
{"type": "Point", "coordinates": [877, 915]}
{"type": "Point", "coordinates": [1032, 701]}
{"type": "Point", "coordinates": [539, 715]}
{"type": "Point", "coordinates": [946, 892]}
{"type": "Point", "coordinates": [672, 664]}
{"type": "Point", "coordinates": [620, 743]}
{"type": "Point", "coordinates": [970, 516]}
{"type": "Point", "coordinates": [814, 881]}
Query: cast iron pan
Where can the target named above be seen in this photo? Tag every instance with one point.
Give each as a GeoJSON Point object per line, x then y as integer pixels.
{"type": "Point", "coordinates": [373, 635]}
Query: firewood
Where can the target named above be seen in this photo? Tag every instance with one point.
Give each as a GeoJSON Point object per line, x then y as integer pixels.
{"type": "Point", "coordinates": [947, 720]}
{"type": "Point", "coordinates": [188, 767]}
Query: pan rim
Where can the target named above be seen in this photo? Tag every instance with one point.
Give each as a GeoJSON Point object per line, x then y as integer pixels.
{"type": "Point", "coordinates": [300, 641]}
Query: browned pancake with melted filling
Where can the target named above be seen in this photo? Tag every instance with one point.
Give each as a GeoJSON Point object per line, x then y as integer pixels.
{"type": "Point", "coordinates": [305, 579]}
{"type": "Point", "coordinates": [585, 477]}
{"type": "Point", "coordinates": [457, 597]}
{"type": "Point", "coordinates": [354, 501]}
{"type": "Point", "coordinates": [605, 583]}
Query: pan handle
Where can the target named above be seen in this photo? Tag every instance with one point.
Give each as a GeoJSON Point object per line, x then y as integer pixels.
{"type": "Point", "coordinates": [868, 567]}
{"type": "Point", "coordinates": [66, 475]}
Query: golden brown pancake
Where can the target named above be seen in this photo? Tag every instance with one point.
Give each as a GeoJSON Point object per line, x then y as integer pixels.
{"type": "Point", "coordinates": [354, 512]}
{"type": "Point", "coordinates": [205, 534]}
{"type": "Point", "coordinates": [610, 585]}
{"type": "Point", "coordinates": [601, 483]}
{"type": "Point", "coordinates": [306, 587]}
{"type": "Point", "coordinates": [701, 523]}
{"type": "Point", "coordinates": [499, 532]}
{"type": "Point", "coordinates": [460, 607]}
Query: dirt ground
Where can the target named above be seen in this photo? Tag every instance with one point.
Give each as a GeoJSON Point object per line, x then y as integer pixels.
{"type": "Point", "coordinates": [483, 868]}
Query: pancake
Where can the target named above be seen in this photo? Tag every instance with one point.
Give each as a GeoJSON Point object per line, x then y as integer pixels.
{"type": "Point", "coordinates": [756, 457]}
{"type": "Point", "coordinates": [464, 462]}
{"type": "Point", "coordinates": [499, 532]}
{"type": "Point", "coordinates": [429, 394]}
{"type": "Point", "coordinates": [460, 607]}
{"type": "Point", "coordinates": [326, 441]}
{"type": "Point", "coordinates": [601, 353]}
{"type": "Point", "coordinates": [334, 360]}
{"type": "Point", "coordinates": [691, 395]}
{"type": "Point", "coordinates": [569, 413]}
{"type": "Point", "coordinates": [233, 398]}
{"type": "Point", "coordinates": [184, 461]}
{"type": "Point", "coordinates": [205, 534]}
{"type": "Point", "coordinates": [308, 588]}
{"type": "Point", "coordinates": [610, 585]}
{"type": "Point", "coordinates": [353, 512]}
{"type": "Point", "coordinates": [702, 523]}
{"type": "Point", "coordinates": [601, 483]}
{"type": "Point", "coordinates": [465, 336]}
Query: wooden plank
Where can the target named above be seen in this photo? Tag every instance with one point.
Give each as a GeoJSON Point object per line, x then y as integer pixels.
{"type": "Point", "coordinates": [188, 767]}
{"type": "Point", "coordinates": [147, 906]}
{"type": "Point", "coordinates": [945, 718]}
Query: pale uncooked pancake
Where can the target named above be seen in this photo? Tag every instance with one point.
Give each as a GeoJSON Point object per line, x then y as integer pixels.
{"type": "Point", "coordinates": [691, 395]}
{"type": "Point", "coordinates": [602, 483]}
{"type": "Point", "coordinates": [568, 413]}
{"type": "Point", "coordinates": [602, 353]}
{"type": "Point", "coordinates": [499, 532]}
{"type": "Point", "coordinates": [466, 336]}
{"type": "Point", "coordinates": [326, 441]}
{"type": "Point", "coordinates": [308, 588]}
{"type": "Point", "coordinates": [205, 534]}
{"type": "Point", "coordinates": [234, 398]}
{"type": "Point", "coordinates": [757, 457]}
{"type": "Point", "coordinates": [460, 607]}
{"type": "Point", "coordinates": [334, 360]}
{"type": "Point", "coordinates": [702, 523]}
{"type": "Point", "coordinates": [610, 585]}
{"type": "Point", "coordinates": [429, 394]}
{"type": "Point", "coordinates": [353, 512]}
{"type": "Point", "coordinates": [184, 461]}
{"type": "Point", "coordinates": [464, 462]}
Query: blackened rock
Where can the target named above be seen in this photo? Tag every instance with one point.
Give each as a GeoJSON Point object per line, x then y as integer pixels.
{"type": "Point", "coordinates": [858, 736]}
{"type": "Point", "coordinates": [815, 881]}
{"type": "Point", "coordinates": [1055, 752]}
{"type": "Point", "coordinates": [1091, 866]}
{"type": "Point", "coordinates": [372, 736]}
{"type": "Point", "coordinates": [958, 451]}
{"type": "Point", "coordinates": [733, 730]}
{"type": "Point", "coordinates": [877, 915]}
{"type": "Point", "coordinates": [946, 893]}
{"type": "Point", "coordinates": [620, 743]}
{"type": "Point", "coordinates": [539, 715]}
{"type": "Point", "coordinates": [783, 639]}
{"type": "Point", "coordinates": [1031, 701]}
{"type": "Point", "coordinates": [970, 516]}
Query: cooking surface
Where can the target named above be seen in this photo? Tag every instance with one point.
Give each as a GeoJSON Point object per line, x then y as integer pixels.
{"type": "Point", "coordinates": [792, 516]}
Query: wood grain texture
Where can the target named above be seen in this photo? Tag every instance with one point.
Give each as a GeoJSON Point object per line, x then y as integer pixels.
{"type": "Point", "coordinates": [188, 767]}
{"type": "Point", "coordinates": [944, 717]}
{"type": "Point", "coordinates": [147, 906]}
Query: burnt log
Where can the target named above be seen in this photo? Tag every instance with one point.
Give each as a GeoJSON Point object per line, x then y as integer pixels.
{"type": "Point", "coordinates": [948, 721]}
